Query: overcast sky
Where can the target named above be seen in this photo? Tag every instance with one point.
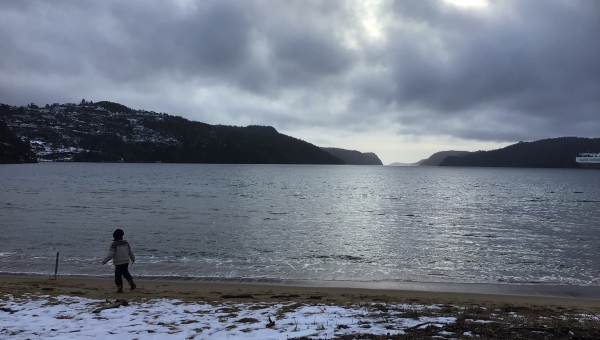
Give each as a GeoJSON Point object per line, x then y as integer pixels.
{"type": "Point", "coordinates": [403, 79]}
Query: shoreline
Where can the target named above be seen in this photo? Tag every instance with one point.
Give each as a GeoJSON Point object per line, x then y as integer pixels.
{"type": "Point", "coordinates": [46, 306]}
{"type": "Point", "coordinates": [339, 293]}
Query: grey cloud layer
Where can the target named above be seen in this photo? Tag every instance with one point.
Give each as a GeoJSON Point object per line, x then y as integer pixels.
{"type": "Point", "coordinates": [517, 70]}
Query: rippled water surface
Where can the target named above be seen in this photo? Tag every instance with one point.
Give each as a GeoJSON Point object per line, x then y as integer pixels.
{"type": "Point", "coordinates": [356, 223]}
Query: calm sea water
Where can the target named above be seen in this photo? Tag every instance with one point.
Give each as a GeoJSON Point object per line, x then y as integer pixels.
{"type": "Point", "coordinates": [287, 222]}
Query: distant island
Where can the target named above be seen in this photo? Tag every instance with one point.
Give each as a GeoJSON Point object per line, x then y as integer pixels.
{"type": "Point", "coordinates": [403, 164]}
{"type": "Point", "coordinates": [110, 132]}
{"type": "Point", "coordinates": [353, 157]}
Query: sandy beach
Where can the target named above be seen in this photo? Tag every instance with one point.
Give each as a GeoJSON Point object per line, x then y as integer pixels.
{"type": "Point", "coordinates": [104, 288]}
{"type": "Point", "coordinates": [175, 309]}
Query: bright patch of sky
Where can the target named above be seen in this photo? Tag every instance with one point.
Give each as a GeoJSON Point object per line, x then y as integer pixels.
{"type": "Point", "coordinates": [469, 3]}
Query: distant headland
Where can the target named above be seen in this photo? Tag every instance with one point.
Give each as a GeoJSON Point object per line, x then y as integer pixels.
{"type": "Point", "coordinates": [546, 153]}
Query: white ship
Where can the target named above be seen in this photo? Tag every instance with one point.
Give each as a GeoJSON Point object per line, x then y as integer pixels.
{"type": "Point", "coordinates": [588, 160]}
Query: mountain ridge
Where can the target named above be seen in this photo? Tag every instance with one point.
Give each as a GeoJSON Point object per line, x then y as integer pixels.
{"type": "Point", "coordinates": [111, 132]}
{"type": "Point", "coordinates": [546, 153]}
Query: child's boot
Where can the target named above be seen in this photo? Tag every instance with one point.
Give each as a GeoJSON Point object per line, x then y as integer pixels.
{"type": "Point", "coordinates": [120, 289]}
{"type": "Point", "coordinates": [132, 284]}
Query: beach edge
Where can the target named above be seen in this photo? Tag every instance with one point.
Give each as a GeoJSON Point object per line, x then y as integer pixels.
{"type": "Point", "coordinates": [333, 293]}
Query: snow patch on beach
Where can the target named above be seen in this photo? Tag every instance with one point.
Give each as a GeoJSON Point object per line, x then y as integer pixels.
{"type": "Point", "coordinates": [66, 317]}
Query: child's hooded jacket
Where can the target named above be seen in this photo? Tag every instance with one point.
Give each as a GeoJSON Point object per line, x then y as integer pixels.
{"type": "Point", "coordinates": [120, 252]}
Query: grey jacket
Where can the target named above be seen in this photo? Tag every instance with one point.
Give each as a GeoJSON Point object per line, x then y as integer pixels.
{"type": "Point", "coordinates": [120, 252]}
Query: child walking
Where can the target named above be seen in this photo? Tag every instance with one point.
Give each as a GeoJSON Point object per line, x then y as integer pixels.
{"type": "Point", "coordinates": [120, 252]}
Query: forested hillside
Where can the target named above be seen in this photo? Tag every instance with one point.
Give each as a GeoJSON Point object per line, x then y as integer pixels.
{"type": "Point", "coordinates": [111, 132]}
{"type": "Point", "coordinates": [353, 157]}
{"type": "Point", "coordinates": [437, 158]}
{"type": "Point", "coordinates": [12, 149]}
{"type": "Point", "coordinates": [546, 153]}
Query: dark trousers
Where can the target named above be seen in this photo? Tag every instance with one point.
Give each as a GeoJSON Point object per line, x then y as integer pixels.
{"type": "Point", "coordinates": [121, 270]}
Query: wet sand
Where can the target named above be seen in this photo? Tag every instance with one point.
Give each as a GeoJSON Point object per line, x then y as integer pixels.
{"type": "Point", "coordinates": [339, 293]}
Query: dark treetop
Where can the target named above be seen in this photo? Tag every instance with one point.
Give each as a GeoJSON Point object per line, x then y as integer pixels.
{"type": "Point", "coordinates": [13, 149]}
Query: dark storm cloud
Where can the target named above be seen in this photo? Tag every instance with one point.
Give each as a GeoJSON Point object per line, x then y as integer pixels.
{"type": "Point", "coordinates": [524, 60]}
{"type": "Point", "coordinates": [223, 39]}
{"type": "Point", "coordinates": [515, 70]}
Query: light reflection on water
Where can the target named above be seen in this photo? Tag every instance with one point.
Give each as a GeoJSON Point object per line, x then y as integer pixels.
{"type": "Point", "coordinates": [305, 222]}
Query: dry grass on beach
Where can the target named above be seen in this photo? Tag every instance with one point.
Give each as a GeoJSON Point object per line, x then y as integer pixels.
{"type": "Point", "coordinates": [193, 310]}
{"type": "Point", "coordinates": [498, 322]}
